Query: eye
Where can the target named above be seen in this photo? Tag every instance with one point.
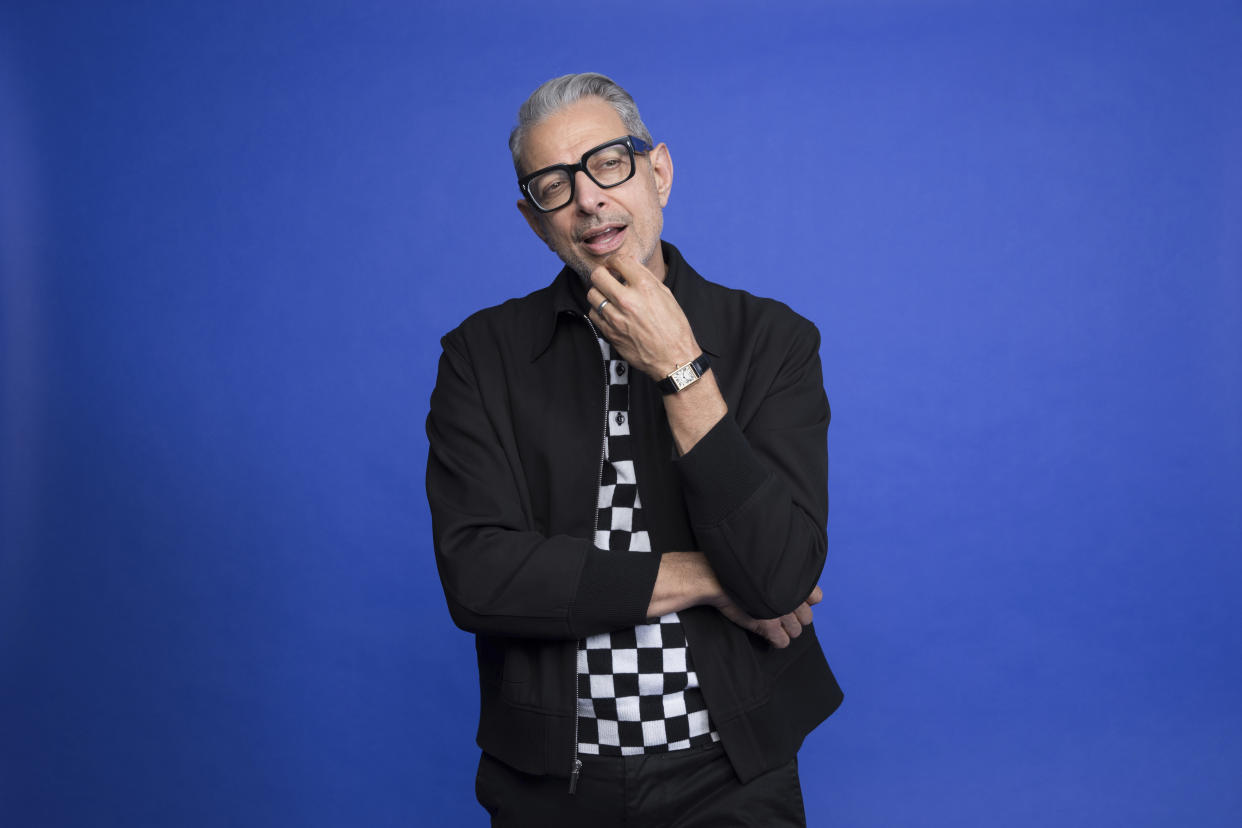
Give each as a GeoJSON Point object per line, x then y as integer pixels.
{"type": "Point", "coordinates": [548, 187]}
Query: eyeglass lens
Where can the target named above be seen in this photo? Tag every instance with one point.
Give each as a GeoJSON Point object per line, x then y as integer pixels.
{"type": "Point", "coordinates": [607, 166]}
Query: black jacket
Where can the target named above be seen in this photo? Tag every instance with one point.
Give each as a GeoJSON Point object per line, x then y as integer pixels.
{"type": "Point", "coordinates": [516, 429]}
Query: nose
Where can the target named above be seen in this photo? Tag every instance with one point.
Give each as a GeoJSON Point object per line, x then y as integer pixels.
{"type": "Point", "coordinates": [588, 195]}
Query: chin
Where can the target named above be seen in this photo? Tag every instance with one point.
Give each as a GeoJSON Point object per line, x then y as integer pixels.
{"type": "Point", "coordinates": [583, 263]}
{"type": "Point", "coordinates": [580, 266]}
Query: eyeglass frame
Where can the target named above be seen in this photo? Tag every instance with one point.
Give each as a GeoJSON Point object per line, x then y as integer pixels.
{"type": "Point", "coordinates": [633, 144]}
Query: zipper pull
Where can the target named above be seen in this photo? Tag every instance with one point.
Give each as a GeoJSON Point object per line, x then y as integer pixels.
{"type": "Point", "coordinates": [573, 777]}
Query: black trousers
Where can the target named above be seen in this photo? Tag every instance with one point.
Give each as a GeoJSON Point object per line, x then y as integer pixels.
{"type": "Point", "coordinates": [693, 788]}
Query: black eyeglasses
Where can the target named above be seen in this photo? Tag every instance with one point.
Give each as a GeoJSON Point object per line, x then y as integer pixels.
{"type": "Point", "coordinates": [608, 165]}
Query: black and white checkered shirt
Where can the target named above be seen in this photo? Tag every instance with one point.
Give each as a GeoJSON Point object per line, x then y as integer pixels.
{"type": "Point", "coordinates": [637, 689]}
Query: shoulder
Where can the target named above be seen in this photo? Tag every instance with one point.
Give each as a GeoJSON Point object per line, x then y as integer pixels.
{"type": "Point", "coordinates": [506, 325]}
{"type": "Point", "coordinates": [755, 309]}
{"type": "Point", "coordinates": [731, 316]}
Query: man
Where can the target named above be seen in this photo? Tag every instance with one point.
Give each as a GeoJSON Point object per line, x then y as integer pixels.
{"type": "Point", "coordinates": [628, 484]}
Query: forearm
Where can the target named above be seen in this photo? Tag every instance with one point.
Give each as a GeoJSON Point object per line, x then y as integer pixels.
{"type": "Point", "coordinates": [762, 532]}
{"type": "Point", "coordinates": [522, 584]}
{"type": "Point", "coordinates": [685, 579]}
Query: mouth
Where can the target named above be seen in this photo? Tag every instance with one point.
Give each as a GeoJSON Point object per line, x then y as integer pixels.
{"type": "Point", "coordinates": [603, 240]}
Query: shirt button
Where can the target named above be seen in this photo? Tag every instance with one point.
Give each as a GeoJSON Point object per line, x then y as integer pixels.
{"type": "Point", "coordinates": [620, 418]}
{"type": "Point", "coordinates": [620, 369]}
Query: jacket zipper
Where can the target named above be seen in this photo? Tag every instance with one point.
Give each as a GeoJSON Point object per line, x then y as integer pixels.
{"type": "Point", "coordinates": [576, 769]}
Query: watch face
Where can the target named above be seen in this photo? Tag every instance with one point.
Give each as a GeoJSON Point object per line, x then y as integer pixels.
{"type": "Point", "coordinates": [683, 376]}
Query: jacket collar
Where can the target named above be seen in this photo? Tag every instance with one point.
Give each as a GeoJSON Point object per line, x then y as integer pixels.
{"type": "Point", "coordinates": [567, 295]}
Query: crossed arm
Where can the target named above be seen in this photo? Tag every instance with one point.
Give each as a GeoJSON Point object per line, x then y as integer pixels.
{"type": "Point", "coordinates": [760, 534]}
{"type": "Point", "coordinates": [686, 579]}
{"type": "Point", "coordinates": [648, 328]}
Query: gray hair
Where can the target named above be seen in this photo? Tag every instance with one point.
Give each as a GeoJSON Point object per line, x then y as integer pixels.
{"type": "Point", "coordinates": [559, 93]}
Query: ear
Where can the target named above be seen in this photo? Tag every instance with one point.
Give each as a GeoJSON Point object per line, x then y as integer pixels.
{"type": "Point", "coordinates": [533, 218]}
{"type": "Point", "coordinates": [662, 171]}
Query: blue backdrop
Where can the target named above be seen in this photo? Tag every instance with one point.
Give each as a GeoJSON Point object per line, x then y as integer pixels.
{"type": "Point", "coordinates": [231, 235]}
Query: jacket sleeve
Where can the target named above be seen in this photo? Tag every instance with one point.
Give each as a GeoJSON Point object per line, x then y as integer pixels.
{"type": "Point", "coordinates": [501, 576]}
{"type": "Point", "coordinates": [756, 485]}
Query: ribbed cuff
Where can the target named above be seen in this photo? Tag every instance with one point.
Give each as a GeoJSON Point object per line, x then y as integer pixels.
{"type": "Point", "coordinates": [614, 591]}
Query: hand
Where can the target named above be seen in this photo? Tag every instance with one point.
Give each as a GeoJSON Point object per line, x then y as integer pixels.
{"type": "Point", "coordinates": [778, 631]}
{"type": "Point", "coordinates": [641, 319]}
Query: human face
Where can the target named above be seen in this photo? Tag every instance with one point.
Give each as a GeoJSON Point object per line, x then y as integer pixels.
{"type": "Point", "coordinates": [598, 222]}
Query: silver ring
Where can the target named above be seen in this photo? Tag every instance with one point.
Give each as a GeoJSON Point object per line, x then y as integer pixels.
{"type": "Point", "coordinates": [600, 307]}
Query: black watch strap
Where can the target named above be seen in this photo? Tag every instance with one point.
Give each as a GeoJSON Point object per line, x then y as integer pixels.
{"type": "Point", "coordinates": [685, 376]}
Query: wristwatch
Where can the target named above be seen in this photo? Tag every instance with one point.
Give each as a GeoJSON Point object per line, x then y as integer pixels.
{"type": "Point", "coordinates": [684, 376]}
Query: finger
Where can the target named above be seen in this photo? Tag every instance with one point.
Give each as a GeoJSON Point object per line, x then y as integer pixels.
{"type": "Point", "coordinates": [603, 285]}
{"type": "Point", "coordinates": [804, 614]}
{"type": "Point", "coordinates": [630, 270]}
{"type": "Point", "coordinates": [604, 279]}
{"type": "Point", "coordinates": [595, 298]}
{"type": "Point", "coordinates": [815, 597]}
{"type": "Point", "coordinates": [774, 633]}
{"type": "Point", "coordinates": [791, 625]}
